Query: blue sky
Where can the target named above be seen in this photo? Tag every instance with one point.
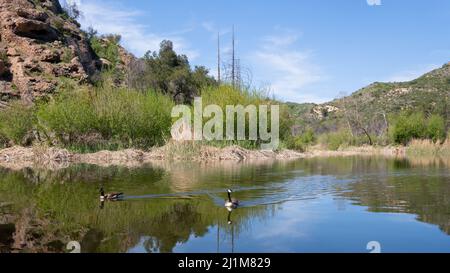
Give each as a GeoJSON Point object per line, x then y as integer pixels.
{"type": "Point", "coordinates": [304, 51]}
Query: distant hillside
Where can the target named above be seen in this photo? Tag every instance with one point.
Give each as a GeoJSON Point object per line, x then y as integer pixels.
{"type": "Point", "coordinates": [429, 93]}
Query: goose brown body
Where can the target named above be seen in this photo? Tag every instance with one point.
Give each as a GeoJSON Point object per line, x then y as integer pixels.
{"type": "Point", "coordinates": [110, 196]}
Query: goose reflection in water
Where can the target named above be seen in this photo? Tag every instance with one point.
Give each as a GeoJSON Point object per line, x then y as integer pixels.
{"type": "Point", "coordinates": [230, 223]}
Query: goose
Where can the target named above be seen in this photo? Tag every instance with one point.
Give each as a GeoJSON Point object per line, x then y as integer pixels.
{"type": "Point", "coordinates": [229, 221]}
{"type": "Point", "coordinates": [231, 203]}
{"type": "Point", "coordinates": [110, 196]}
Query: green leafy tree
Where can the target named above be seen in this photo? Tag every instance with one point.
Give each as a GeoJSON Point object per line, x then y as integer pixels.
{"type": "Point", "coordinates": [436, 128]}
{"type": "Point", "coordinates": [171, 74]}
{"type": "Point", "coordinates": [415, 126]}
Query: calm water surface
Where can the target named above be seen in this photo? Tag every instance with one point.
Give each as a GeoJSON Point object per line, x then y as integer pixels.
{"type": "Point", "coordinates": [309, 205]}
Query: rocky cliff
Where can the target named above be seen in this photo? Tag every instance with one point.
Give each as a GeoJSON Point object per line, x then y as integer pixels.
{"type": "Point", "coordinates": [39, 45]}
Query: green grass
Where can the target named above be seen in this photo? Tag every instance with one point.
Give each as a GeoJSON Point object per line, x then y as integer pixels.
{"type": "Point", "coordinates": [67, 55]}
{"type": "Point", "coordinates": [93, 119]}
{"type": "Point", "coordinates": [343, 139]}
{"type": "Point", "coordinates": [428, 147]}
{"type": "Point", "coordinates": [3, 141]}
{"type": "Point", "coordinates": [335, 140]}
{"type": "Point", "coordinates": [227, 95]}
{"type": "Point", "coordinates": [16, 121]}
{"type": "Point", "coordinates": [88, 119]}
{"type": "Point", "coordinates": [300, 143]}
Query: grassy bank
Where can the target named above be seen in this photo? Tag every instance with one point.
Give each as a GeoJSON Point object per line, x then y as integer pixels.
{"type": "Point", "coordinates": [421, 133]}
{"type": "Point", "coordinates": [90, 119]}
{"type": "Point", "coordinates": [428, 148]}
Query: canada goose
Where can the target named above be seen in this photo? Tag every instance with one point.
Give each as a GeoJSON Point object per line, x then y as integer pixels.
{"type": "Point", "coordinates": [229, 221]}
{"type": "Point", "coordinates": [231, 203]}
{"type": "Point", "coordinates": [110, 196]}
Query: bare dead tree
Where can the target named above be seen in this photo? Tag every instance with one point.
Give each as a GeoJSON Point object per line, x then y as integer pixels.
{"type": "Point", "coordinates": [218, 57]}
{"type": "Point", "coordinates": [135, 74]}
{"type": "Point", "coordinates": [238, 74]}
{"type": "Point", "coordinates": [355, 117]}
{"type": "Point", "coordinates": [233, 71]}
{"type": "Point", "coordinates": [243, 75]}
{"type": "Point", "coordinates": [342, 96]}
{"type": "Point", "coordinates": [233, 59]}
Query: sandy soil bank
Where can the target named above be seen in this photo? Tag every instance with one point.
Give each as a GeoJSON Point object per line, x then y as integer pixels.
{"type": "Point", "coordinates": [53, 158]}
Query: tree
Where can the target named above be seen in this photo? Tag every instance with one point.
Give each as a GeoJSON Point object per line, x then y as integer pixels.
{"type": "Point", "coordinates": [358, 122]}
{"type": "Point", "coordinates": [72, 10]}
{"type": "Point", "coordinates": [169, 73]}
{"type": "Point", "coordinates": [436, 128]}
{"type": "Point", "coordinates": [409, 126]}
{"type": "Point", "coordinates": [91, 33]}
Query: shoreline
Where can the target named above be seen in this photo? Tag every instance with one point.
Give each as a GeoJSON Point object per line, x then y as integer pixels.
{"type": "Point", "coordinates": [18, 157]}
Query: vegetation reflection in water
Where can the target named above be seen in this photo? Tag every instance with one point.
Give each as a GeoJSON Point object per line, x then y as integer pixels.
{"type": "Point", "coordinates": [179, 207]}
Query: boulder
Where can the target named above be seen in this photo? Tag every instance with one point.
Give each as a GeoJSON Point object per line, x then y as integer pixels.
{"type": "Point", "coordinates": [105, 63]}
{"type": "Point", "coordinates": [50, 56]}
{"type": "Point", "coordinates": [34, 29]}
{"type": "Point", "coordinates": [32, 14]}
{"type": "Point", "coordinates": [12, 52]}
{"type": "Point", "coordinates": [53, 5]}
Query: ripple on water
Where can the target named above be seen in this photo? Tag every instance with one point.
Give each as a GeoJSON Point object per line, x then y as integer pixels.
{"type": "Point", "coordinates": [300, 188]}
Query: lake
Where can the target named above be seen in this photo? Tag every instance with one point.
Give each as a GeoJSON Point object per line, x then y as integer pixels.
{"type": "Point", "coordinates": [308, 205]}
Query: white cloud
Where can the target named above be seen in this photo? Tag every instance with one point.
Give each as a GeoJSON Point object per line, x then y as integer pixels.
{"type": "Point", "coordinates": [138, 38]}
{"type": "Point", "coordinates": [411, 74]}
{"type": "Point", "coordinates": [374, 2]}
{"type": "Point", "coordinates": [289, 70]}
{"type": "Point", "coordinates": [64, 2]}
{"type": "Point", "coordinates": [209, 26]}
{"type": "Point", "coordinates": [213, 29]}
{"type": "Point", "coordinates": [283, 40]}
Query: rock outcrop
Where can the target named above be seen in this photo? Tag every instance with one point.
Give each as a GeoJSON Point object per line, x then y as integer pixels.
{"type": "Point", "coordinates": [39, 43]}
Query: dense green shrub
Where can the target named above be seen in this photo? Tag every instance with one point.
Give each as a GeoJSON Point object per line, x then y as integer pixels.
{"type": "Point", "coordinates": [336, 140]}
{"type": "Point", "coordinates": [106, 47]}
{"type": "Point", "coordinates": [301, 142]}
{"type": "Point", "coordinates": [68, 116]}
{"type": "Point", "coordinates": [227, 95]}
{"type": "Point", "coordinates": [436, 128]}
{"type": "Point", "coordinates": [142, 119]}
{"type": "Point", "coordinates": [107, 118]}
{"type": "Point", "coordinates": [407, 127]}
{"type": "Point", "coordinates": [16, 122]}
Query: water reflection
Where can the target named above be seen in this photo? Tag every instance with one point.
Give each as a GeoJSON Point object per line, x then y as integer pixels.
{"type": "Point", "coordinates": [307, 205]}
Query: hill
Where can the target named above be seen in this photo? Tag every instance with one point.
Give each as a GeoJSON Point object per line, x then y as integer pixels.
{"type": "Point", "coordinates": [378, 102]}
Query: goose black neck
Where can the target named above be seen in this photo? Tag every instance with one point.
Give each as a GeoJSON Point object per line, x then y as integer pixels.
{"type": "Point", "coordinates": [229, 196]}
